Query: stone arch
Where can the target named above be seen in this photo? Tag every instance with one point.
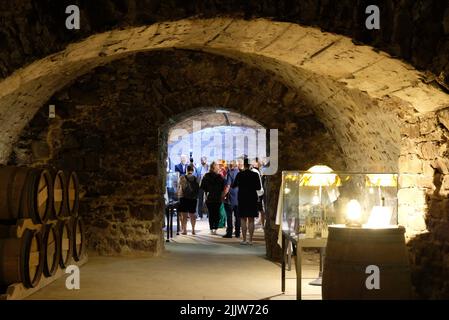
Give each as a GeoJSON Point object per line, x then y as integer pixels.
{"type": "Point", "coordinates": [345, 84]}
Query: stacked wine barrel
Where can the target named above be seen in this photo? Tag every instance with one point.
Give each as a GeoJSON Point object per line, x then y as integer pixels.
{"type": "Point", "coordinates": [40, 229]}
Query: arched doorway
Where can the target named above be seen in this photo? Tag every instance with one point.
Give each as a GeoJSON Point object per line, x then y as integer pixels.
{"type": "Point", "coordinates": [216, 135]}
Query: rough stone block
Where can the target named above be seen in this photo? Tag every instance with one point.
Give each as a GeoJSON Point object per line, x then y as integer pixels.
{"type": "Point", "coordinates": [429, 150]}
{"type": "Point", "coordinates": [410, 130]}
{"type": "Point", "coordinates": [410, 164]}
{"type": "Point", "coordinates": [142, 212]}
{"type": "Point", "coordinates": [427, 125]}
{"type": "Point", "coordinates": [441, 164]}
{"type": "Point", "coordinates": [415, 180]}
{"type": "Point", "coordinates": [40, 150]}
{"type": "Point", "coordinates": [413, 197]}
{"type": "Point", "coordinates": [443, 118]}
{"type": "Point", "coordinates": [417, 223]}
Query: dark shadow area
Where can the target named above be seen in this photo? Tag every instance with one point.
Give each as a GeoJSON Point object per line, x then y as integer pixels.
{"type": "Point", "coordinates": [429, 252]}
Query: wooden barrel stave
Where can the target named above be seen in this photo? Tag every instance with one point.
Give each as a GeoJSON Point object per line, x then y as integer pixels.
{"type": "Point", "coordinates": [65, 242]}
{"type": "Point", "coordinates": [78, 239]}
{"type": "Point", "coordinates": [350, 251]}
{"type": "Point", "coordinates": [25, 193]}
{"type": "Point", "coordinates": [60, 194]}
{"type": "Point", "coordinates": [51, 250]}
{"type": "Point", "coordinates": [43, 194]}
{"type": "Point", "coordinates": [21, 259]}
{"type": "Point", "coordinates": [12, 181]}
{"type": "Point", "coordinates": [72, 193]}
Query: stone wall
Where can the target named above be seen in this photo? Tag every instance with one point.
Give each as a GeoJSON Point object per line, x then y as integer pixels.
{"type": "Point", "coordinates": [112, 124]}
{"type": "Point", "coordinates": [415, 30]}
{"type": "Point", "coordinates": [424, 200]}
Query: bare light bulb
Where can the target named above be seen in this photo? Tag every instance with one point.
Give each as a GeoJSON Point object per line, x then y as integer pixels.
{"type": "Point", "coordinates": [353, 213]}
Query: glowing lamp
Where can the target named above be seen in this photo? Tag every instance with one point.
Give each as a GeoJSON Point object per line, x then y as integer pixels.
{"type": "Point", "coordinates": [353, 214]}
{"type": "Point", "coordinates": [380, 217]}
{"type": "Point", "coordinates": [316, 200]}
{"type": "Point", "coordinates": [320, 176]}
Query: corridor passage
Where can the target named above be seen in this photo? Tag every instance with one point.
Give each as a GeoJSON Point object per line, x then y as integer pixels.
{"type": "Point", "coordinates": [192, 267]}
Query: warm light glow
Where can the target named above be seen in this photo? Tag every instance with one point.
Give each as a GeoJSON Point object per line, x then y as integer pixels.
{"type": "Point", "coordinates": [287, 190]}
{"type": "Point", "coordinates": [380, 217]}
{"type": "Point", "coordinates": [316, 200]}
{"type": "Point", "coordinates": [320, 169]}
{"type": "Point", "coordinates": [320, 176]}
{"type": "Point", "coordinates": [382, 180]}
{"type": "Point", "coordinates": [354, 213]}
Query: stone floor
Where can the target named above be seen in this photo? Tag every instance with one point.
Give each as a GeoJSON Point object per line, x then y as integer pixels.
{"type": "Point", "coordinates": [192, 267]}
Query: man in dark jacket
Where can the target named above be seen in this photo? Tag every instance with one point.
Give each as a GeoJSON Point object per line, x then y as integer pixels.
{"type": "Point", "coordinates": [231, 201]}
{"type": "Point", "coordinates": [182, 166]}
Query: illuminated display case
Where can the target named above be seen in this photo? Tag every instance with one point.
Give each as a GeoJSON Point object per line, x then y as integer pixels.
{"type": "Point", "coordinates": [310, 201]}
{"type": "Point", "coordinates": [172, 180]}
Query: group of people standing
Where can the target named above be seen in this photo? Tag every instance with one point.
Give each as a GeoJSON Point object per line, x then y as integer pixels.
{"type": "Point", "coordinates": [237, 187]}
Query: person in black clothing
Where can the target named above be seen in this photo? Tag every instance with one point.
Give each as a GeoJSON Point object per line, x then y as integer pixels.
{"type": "Point", "coordinates": [231, 201]}
{"type": "Point", "coordinates": [213, 185]}
{"type": "Point", "coordinates": [248, 183]}
{"type": "Point", "coordinates": [188, 193]}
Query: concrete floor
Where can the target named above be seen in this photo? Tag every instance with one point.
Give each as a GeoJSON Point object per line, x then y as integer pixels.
{"type": "Point", "coordinates": [192, 267]}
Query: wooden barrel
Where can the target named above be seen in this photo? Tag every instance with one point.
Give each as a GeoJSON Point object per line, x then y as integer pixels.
{"type": "Point", "coordinates": [350, 255]}
{"type": "Point", "coordinates": [60, 196]}
{"type": "Point", "coordinates": [65, 242]}
{"type": "Point", "coordinates": [25, 193]}
{"type": "Point", "coordinates": [51, 249]}
{"type": "Point", "coordinates": [78, 238]}
{"type": "Point", "coordinates": [72, 193]}
{"type": "Point", "coordinates": [21, 259]}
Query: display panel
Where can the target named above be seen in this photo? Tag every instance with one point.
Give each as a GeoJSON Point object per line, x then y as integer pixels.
{"type": "Point", "coordinates": [309, 202]}
{"type": "Point", "coordinates": [172, 180]}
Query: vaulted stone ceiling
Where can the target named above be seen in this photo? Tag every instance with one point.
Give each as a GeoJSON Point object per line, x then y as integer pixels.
{"type": "Point", "coordinates": [358, 93]}
{"type": "Point", "coordinates": [213, 117]}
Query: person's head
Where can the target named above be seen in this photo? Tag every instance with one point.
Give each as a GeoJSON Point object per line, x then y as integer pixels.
{"type": "Point", "coordinates": [203, 160]}
{"type": "Point", "coordinates": [189, 169]}
{"type": "Point", "coordinates": [240, 163]}
{"type": "Point", "coordinates": [232, 164]}
{"type": "Point", "coordinates": [256, 163]}
{"type": "Point", "coordinates": [183, 159]}
{"type": "Point", "coordinates": [214, 167]}
{"type": "Point", "coordinates": [246, 164]}
{"type": "Point", "coordinates": [223, 164]}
